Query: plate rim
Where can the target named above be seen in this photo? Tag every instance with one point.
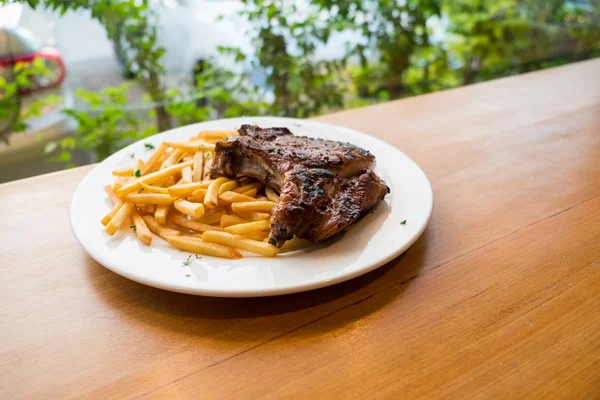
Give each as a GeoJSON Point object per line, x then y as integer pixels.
{"type": "Point", "coordinates": [263, 292]}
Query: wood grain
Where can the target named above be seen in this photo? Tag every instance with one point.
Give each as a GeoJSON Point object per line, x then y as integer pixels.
{"type": "Point", "coordinates": [498, 299]}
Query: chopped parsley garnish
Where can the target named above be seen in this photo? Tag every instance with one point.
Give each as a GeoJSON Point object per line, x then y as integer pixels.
{"type": "Point", "coordinates": [137, 173]}
{"type": "Point", "coordinates": [403, 222]}
{"type": "Point", "coordinates": [188, 276]}
{"type": "Point", "coordinates": [149, 146]}
{"type": "Point", "coordinates": [198, 257]}
{"type": "Point", "coordinates": [133, 227]}
{"type": "Point", "coordinates": [208, 155]}
{"type": "Point", "coordinates": [131, 155]}
{"type": "Point", "coordinates": [187, 262]}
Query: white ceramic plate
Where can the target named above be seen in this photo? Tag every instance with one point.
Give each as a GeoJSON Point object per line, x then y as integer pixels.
{"type": "Point", "coordinates": [375, 240]}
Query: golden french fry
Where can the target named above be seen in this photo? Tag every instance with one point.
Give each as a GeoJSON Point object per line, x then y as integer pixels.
{"type": "Point", "coordinates": [260, 206]}
{"type": "Point", "coordinates": [198, 163]}
{"type": "Point", "coordinates": [242, 229]}
{"type": "Point", "coordinates": [229, 220]}
{"type": "Point", "coordinates": [227, 186]}
{"type": "Point", "coordinates": [271, 195]}
{"type": "Point", "coordinates": [117, 202]}
{"type": "Point", "coordinates": [259, 235]}
{"type": "Point", "coordinates": [124, 172]}
{"type": "Point", "coordinates": [154, 189]}
{"type": "Point", "coordinates": [170, 181]}
{"type": "Point", "coordinates": [208, 162]}
{"type": "Point", "coordinates": [116, 186]}
{"type": "Point", "coordinates": [199, 195]}
{"type": "Point", "coordinates": [198, 246]}
{"type": "Point", "coordinates": [233, 197]}
{"type": "Point", "coordinates": [216, 135]}
{"type": "Point", "coordinates": [239, 242]}
{"type": "Point", "coordinates": [212, 193]}
{"type": "Point", "coordinates": [150, 163]}
{"type": "Point", "coordinates": [172, 159]}
{"type": "Point", "coordinates": [111, 194]}
{"type": "Point", "coordinates": [184, 189]}
{"type": "Point", "coordinates": [150, 198]}
{"type": "Point", "coordinates": [262, 198]}
{"type": "Point", "coordinates": [182, 220]}
{"type": "Point", "coordinates": [161, 213]}
{"type": "Point", "coordinates": [245, 188]}
{"type": "Point", "coordinates": [157, 229]}
{"type": "Point", "coordinates": [189, 208]}
{"type": "Point", "coordinates": [139, 165]}
{"type": "Point", "coordinates": [121, 215]}
{"type": "Point", "coordinates": [186, 174]}
{"type": "Point", "coordinates": [141, 229]}
{"type": "Point", "coordinates": [253, 215]}
{"type": "Point", "coordinates": [188, 158]}
{"type": "Point", "coordinates": [150, 208]}
{"type": "Point", "coordinates": [211, 218]}
{"type": "Point", "coordinates": [294, 244]}
{"type": "Point", "coordinates": [151, 178]}
{"type": "Point", "coordinates": [250, 193]}
{"type": "Point", "coordinates": [191, 146]}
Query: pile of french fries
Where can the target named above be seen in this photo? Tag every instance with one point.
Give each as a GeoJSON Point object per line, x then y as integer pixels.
{"type": "Point", "coordinates": [172, 196]}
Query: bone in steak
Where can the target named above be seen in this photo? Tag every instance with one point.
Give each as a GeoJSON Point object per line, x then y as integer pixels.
{"type": "Point", "coordinates": [325, 186]}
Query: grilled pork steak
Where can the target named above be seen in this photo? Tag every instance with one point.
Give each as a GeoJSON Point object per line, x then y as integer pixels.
{"type": "Point", "coordinates": [325, 186]}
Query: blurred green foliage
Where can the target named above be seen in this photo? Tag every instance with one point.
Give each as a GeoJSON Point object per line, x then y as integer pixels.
{"type": "Point", "coordinates": [407, 47]}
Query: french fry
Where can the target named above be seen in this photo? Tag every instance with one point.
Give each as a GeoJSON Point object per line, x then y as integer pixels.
{"type": "Point", "coordinates": [260, 206]}
{"type": "Point", "coordinates": [139, 165]}
{"type": "Point", "coordinates": [216, 135]}
{"type": "Point", "coordinates": [141, 229]}
{"type": "Point", "coordinates": [227, 186]}
{"type": "Point", "coordinates": [242, 229]}
{"type": "Point", "coordinates": [120, 216]}
{"type": "Point", "coordinates": [199, 195]}
{"type": "Point", "coordinates": [111, 194]}
{"type": "Point", "coordinates": [150, 198]}
{"type": "Point", "coordinates": [233, 197]}
{"type": "Point", "coordinates": [259, 235]}
{"type": "Point", "coordinates": [116, 186]}
{"type": "Point", "coordinates": [116, 202]}
{"type": "Point", "coordinates": [212, 218]}
{"type": "Point", "coordinates": [184, 189]}
{"type": "Point", "coordinates": [150, 163]}
{"type": "Point", "coordinates": [151, 178]}
{"type": "Point", "coordinates": [150, 208]}
{"type": "Point", "coordinates": [172, 159]}
{"type": "Point", "coordinates": [253, 215]}
{"type": "Point", "coordinates": [188, 158]}
{"type": "Point", "coordinates": [124, 172]}
{"type": "Point", "coordinates": [245, 188]}
{"type": "Point", "coordinates": [191, 146]}
{"type": "Point", "coordinates": [271, 195]}
{"type": "Point", "coordinates": [161, 214]}
{"type": "Point", "coordinates": [229, 220]}
{"type": "Point", "coordinates": [212, 193]}
{"type": "Point", "coordinates": [251, 193]}
{"type": "Point", "coordinates": [197, 168]}
{"type": "Point", "coordinates": [294, 244]}
{"type": "Point", "coordinates": [239, 242]}
{"type": "Point", "coordinates": [189, 208]}
{"type": "Point", "coordinates": [154, 189]}
{"type": "Point", "coordinates": [186, 174]}
{"type": "Point", "coordinates": [157, 229]}
{"type": "Point", "coordinates": [208, 162]}
{"type": "Point", "coordinates": [198, 246]}
{"type": "Point", "coordinates": [182, 220]}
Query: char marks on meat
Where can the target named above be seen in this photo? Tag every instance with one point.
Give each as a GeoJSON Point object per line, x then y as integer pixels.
{"type": "Point", "coordinates": [325, 186]}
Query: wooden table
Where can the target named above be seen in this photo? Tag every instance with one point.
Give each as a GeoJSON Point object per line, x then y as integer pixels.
{"type": "Point", "coordinates": [500, 298]}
